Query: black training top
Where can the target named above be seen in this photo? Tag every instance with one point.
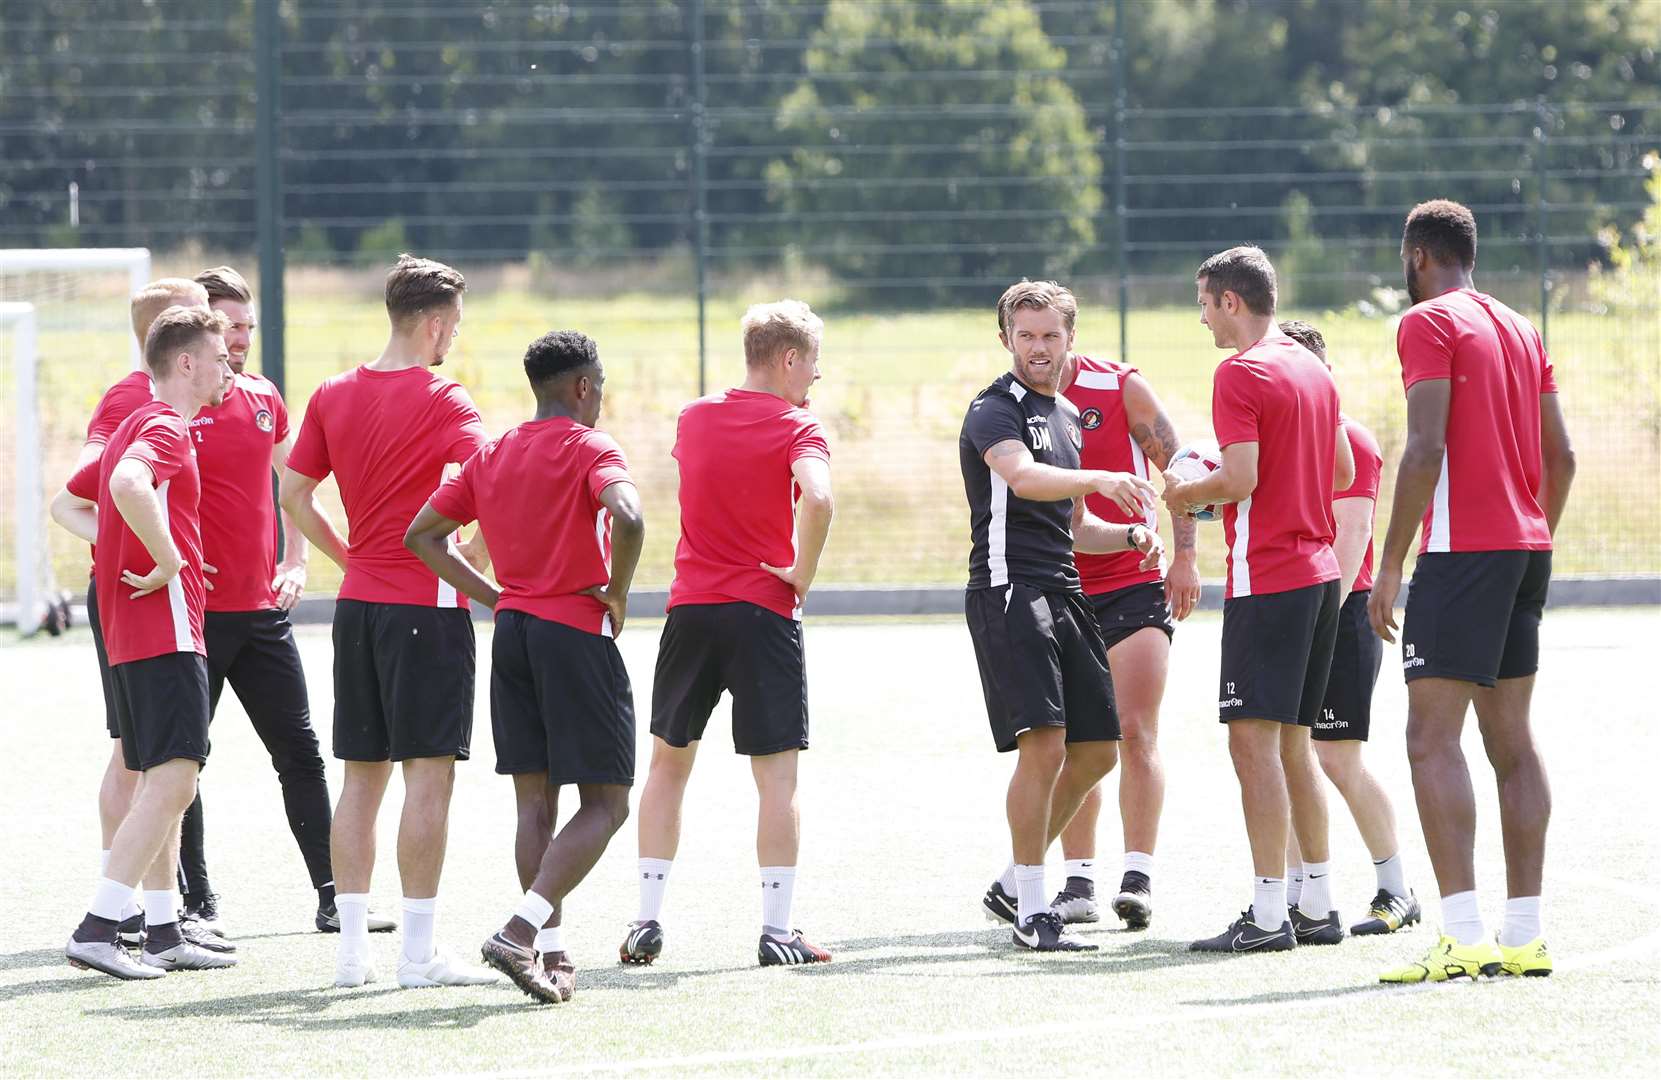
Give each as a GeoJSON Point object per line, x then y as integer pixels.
{"type": "Point", "coordinates": [1016, 539]}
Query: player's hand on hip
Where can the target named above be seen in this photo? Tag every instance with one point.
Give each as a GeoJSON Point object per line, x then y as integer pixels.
{"type": "Point", "coordinates": [1381, 605]}
{"type": "Point", "coordinates": [793, 576]}
{"type": "Point", "coordinates": [289, 584]}
{"type": "Point", "coordinates": [208, 568]}
{"type": "Point", "coordinates": [1182, 587]}
{"type": "Point", "coordinates": [617, 606]}
{"type": "Point", "coordinates": [144, 585]}
{"type": "Point", "coordinates": [1132, 494]}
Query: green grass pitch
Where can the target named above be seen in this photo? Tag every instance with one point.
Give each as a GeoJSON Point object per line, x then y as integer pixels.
{"type": "Point", "coordinates": [902, 806]}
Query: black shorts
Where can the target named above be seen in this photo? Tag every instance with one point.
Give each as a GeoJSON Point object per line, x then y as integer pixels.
{"type": "Point", "coordinates": [104, 676]}
{"type": "Point", "coordinates": [161, 708]}
{"type": "Point", "coordinates": [560, 702]}
{"type": "Point", "coordinates": [1042, 663]}
{"type": "Point", "coordinates": [1348, 709]}
{"type": "Point", "coordinates": [1475, 615]}
{"type": "Point", "coordinates": [1123, 612]}
{"type": "Point", "coordinates": [256, 651]}
{"type": "Point", "coordinates": [740, 647]}
{"type": "Point", "coordinates": [403, 681]}
{"type": "Point", "coordinates": [1277, 654]}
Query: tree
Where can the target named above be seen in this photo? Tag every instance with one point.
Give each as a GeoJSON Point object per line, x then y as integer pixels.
{"type": "Point", "coordinates": [918, 187]}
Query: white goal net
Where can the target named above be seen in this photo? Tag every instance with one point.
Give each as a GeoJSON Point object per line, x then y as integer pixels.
{"type": "Point", "coordinates": [65, 336]}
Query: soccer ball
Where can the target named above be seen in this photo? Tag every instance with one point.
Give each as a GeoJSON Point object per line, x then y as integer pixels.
{"type": "Point", "coordinates": [1195, 462]}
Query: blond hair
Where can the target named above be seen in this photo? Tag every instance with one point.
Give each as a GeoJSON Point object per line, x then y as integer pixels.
{"type": "Point", "coordinates": [770, 330]}
{"type": "Point", "coordinates": [178, 329]}
{"type": "Point", "coordinates": [160, 295]}
{"type": "Point", "coordinates": [1037, 296]}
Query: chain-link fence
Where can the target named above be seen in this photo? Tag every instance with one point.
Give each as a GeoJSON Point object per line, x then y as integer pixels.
{"type": "Point", "coordinates": [643, 169]}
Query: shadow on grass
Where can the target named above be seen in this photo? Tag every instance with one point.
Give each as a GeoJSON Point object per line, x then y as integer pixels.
{"type": "Point", "coordinates": [72, 982]}
{"type": "Point", "coordinates": [1294, 997]}
{"type": "Point", "coordinates": [309, 1010]}
{"type": "Point", "coordinates": [33, 958]}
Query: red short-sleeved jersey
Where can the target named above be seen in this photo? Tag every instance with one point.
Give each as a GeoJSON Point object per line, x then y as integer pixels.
{"type": "Point", "coordinates": [239, 519]}
{"type": "Point", "coordinates": [1277, 394]}
{"type": "Point", "coordinates": [1487, 498]}
{"type": "Point", "coordinates": [1369, 467]}
{"type": "Point", "coordinates": [738, 497]}
{"type": "Point", "coordinates": [170, 619]}
{"type": "Point", "coordinates": [536, 494]}
{"type": "Point", "coordinates": [126, 394]}
{"type": "Point", "coordinates": [1098, 391]}
{"type": "Point", "coordinates": [386, 436]}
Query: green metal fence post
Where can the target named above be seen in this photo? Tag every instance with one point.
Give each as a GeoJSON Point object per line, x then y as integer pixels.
{"type": "Point", "coordinates": [1120, 257]}
{"type": "Point", "coordinates": [269, 185]}
{"type": "Point", "coordinates": [700, 209]}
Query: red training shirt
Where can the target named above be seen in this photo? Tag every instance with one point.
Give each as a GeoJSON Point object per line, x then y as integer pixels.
{"type": "Point", "coordinates": [128, 393]}
{"type": "Point", "coordinates": [1098, 391]}
{"type": "Point", "coordinates": [536, 494]}
{"type": "Point", "coordinates": [738, 497]}
{"type": "Point", "coordinates": [239, 518]}
{"type": "Point", "coordinates": [387, 435]}
{"type": "Point", "coordinates": [1486, 498]}
{"type": "Point", "coordinates": [1369, 469]}
{"type": "Point", "coordinates": [168, 620]}
{"type": "Point", "coordinates": [1277, 394]}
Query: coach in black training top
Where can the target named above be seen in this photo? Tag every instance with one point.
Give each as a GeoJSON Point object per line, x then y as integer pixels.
{"type": "Point", "coordinates": [1043, 666]}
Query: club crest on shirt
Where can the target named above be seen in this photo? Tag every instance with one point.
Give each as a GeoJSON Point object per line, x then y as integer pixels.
{"type": "Point", "coordinates": [1091, 419]}
{"type": "Point", "coordinates": [1073, 434]}
{"type": "Point", "coordinates": [262, 420]}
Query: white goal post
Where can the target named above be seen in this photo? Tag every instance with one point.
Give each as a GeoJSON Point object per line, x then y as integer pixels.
{"type": "Point", "coordinates": [21, 322]}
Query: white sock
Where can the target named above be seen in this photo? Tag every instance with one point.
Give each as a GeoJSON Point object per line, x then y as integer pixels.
{"type": "Point", "coordinates": [1294, 882]}
{"type": "Point", "coordinates": [1006, 880]}
{"type": "Point", "coordinates": [161, 906]}
{"type": "Point", "coordinates": [1522, 921]}
{"type": "Point", "coordinates": [353, 910]}
{"type": "Point", "coordinates": [1462, 918]}
{"type": "Point", "coordinates": [1316, 901]}
{"type": "Point", "coordinates": [778, 888]}
{"type": "Point", "coordinates": [419, 915]}
{"type": "Point", "coordinates": [550, 939]}
{"type": "Point", "coordinates": [654, 878]}
{"type": "Point", "coordinates": [1139, 862]}
{"type": "Point", "coordinates": [1392, 877]}
{"type": "Point", "coordinates": [1082, 868]}
{"type": "Point", "coordinates": [110, 899]}
{"type": "Point", "coordinates": [534, 909]}
{"type": "Point", "coordinates": [1029, 893]}
{"type": "Point", "coordinates": [1269, 902]}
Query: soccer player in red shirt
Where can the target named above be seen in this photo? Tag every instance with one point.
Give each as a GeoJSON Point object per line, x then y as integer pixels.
{"type": "Point", "coordinates": [137, 502]}
{"type": "Point", "coordinates": [1487, 469]}
{"type": "Point", "coordinates": [1125, 430]}
{"type": "Point", "coordinates": [1346, 714]}
{"type": "Point", "coordinates": [755, 499]}
{"type": "Point", "coordinates": [250, 643]}
{"type": "Point", "coordinates": [403, 637]}
{"type": "Point", "coordinates": [562, 520]}
{"type": "Point", "coordinates": [1275, 411]}
{"type": "Point", "coordinates": [115, 793]}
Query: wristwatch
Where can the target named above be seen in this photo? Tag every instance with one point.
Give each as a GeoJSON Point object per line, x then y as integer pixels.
{"type": "Point", "coordinates": [1131, 540]}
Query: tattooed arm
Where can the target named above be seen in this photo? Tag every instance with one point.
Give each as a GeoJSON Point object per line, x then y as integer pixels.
{"type": "Point", "coordinates": [1152, 430]}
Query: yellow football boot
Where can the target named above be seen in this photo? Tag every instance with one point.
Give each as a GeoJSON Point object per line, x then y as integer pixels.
{"type": "Point", "coordinates": [1529, 959]}
{"type": "Point", "coordinates": [1447, 960]}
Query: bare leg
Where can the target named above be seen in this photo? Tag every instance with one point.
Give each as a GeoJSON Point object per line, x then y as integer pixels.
{"type": "Point", "coordinates": [568, 857]}
{"type": "Point", "coordinates": [1442, 780]}
{"type": "Point", "coordinates": [1078, 839]}
{"type": "Point", "coordinates": [1081, 773]}
{"type": "Point", "coordinates": [1039, 756]}
{"type": "Point", "coordinates": [352, 833]}
{"type": "Point", "coordinates": [142, 842]}
{"type": "Point", "coordinates": [424, 827]}
{"type": "Point", "coordinates": [1254, 746]}
{"type": "Point", "coordinates": [1525, 795]}
{"type": "Point", "coordinates": [660, 800]}
{"type": "Point", "coordinates": [538, 812]}
{"type": "Point", "coordinates": [1368, 803]}
{"type": "Point", "coordinates": [1139, 664]}
{"type": "Point", "coordinates": [1305, 791]}
{"type": "Point", "coordinates": [778, 822]}
{"type": "Point", "coordinates": [115, 794]}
